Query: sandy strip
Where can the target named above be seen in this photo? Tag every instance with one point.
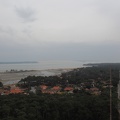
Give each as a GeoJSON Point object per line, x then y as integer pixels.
{"type": "Point", "coordinates": [14, 77]}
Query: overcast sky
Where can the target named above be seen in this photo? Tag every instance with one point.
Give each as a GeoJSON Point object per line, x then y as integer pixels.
{"type": "Point", "coordinates": [60, 30]}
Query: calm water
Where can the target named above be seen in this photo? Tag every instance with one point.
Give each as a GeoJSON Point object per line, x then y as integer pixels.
{"type": "Point", "coordinates": [42, 65]}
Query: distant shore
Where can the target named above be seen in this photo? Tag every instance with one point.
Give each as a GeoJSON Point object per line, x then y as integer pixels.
{"type": "Point", "coordinates": [12, 77]}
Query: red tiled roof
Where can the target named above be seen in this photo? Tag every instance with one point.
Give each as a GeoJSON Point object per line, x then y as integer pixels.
{"type": "Point", "coordinates": [68, 88]}
{"type": "Point", "coordinates": [56, 88]}
{"type": "Point", "coordinates": [43, 87]}
{"type": "Point", "coordinates": [16, 90]}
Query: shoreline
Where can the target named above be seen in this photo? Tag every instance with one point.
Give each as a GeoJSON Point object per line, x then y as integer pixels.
{"type": "Point", "coordinates": [12, 77]}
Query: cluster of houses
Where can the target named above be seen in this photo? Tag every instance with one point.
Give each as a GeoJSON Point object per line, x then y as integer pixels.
{"type": "Point", "coordinates": [11, 89]}
{"type": "Point", "coordinates": [89, 87]}
{"type": "Point", "coordinates": [51, 90]}
{"type": "Point", "coordinates": [56, 89]}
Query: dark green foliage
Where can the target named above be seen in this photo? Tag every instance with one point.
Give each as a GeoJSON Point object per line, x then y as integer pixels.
{"type": "Point", "coordinates": [38, 80]}
{"type": "Point", "coordinates": [89, 74]}
{"type": "Point", "coordinates": [55, 107]}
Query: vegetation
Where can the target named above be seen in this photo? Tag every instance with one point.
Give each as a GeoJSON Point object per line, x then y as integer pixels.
{"type": "Point", "coordinates": [77, 106]}
{"type": "Point", "coordinates": [55, 107]}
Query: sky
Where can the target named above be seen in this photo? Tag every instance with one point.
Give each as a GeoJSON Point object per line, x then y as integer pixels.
{"type": "Point", "coordinates": [34, 30]}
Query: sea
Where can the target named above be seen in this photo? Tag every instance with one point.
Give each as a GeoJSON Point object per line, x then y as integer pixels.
{"type": "Point", "coordinates": [40, 65]}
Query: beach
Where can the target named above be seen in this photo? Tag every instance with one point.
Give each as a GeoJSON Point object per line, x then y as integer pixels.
{"type": "Point", "coordinates": [12, 77]}
{"type": "Point", "coordinates": [12, 72]}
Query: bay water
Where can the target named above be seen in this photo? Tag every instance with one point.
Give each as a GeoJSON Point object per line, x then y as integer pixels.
{"type": "Point", "coordinates": [41, 65]}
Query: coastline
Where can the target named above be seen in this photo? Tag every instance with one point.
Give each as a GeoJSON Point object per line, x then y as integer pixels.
{"type": "Point", "coordinates": [13, 77]}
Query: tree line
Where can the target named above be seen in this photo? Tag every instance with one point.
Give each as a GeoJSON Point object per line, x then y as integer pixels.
{"type": "Point", "coordinates": [56, 107]}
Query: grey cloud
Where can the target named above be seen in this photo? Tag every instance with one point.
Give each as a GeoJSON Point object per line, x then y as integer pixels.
{"type": "Point", "coordinates": [109, 8]}
{"type": "Point", "coordinates": [67, 29]}
{"type": "Point", "coordinates": [27, 14]}
{"type": "Point", "coordinates": [6, 30]}
{"type": "Point", "coordinates": [55, 51]}
{"type": "Point", "coordinates": [27, 31]}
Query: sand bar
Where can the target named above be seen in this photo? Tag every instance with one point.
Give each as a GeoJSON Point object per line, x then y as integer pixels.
{"type": "Point", "coordinates": [15, 76]}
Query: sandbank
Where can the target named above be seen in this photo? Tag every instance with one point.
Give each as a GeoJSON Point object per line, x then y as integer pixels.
{"type": "Point", "coordinates": [12, 77]}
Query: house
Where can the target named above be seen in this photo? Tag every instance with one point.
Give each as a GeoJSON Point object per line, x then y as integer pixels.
{"type": "Point", "coordinates": [68, 89]}
{"type": "Point", "coordinates": [56, 88]}
{"type": "Point", "coordinates": [43, 87]}
{"type": "Point", "coordinates": [52, 90]}
{"type": "Point", "coordinates": [16, 90]}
